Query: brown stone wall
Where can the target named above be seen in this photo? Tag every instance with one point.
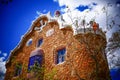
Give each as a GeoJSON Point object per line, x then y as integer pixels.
{"type": "Point", "coordinates": [84, 54]}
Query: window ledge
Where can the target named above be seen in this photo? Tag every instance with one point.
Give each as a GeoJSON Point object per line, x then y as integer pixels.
{"type": "Point", "coordinates": [15, 77]}
{"type": "Point", "coordinates": [61, 63]}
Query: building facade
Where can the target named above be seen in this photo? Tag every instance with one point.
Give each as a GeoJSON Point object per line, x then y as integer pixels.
{"type": "Point", "coordinates": [47, 52]}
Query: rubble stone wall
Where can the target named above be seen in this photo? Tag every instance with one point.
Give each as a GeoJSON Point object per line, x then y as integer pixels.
{"type": "Point", "coordinates": [84, 59]}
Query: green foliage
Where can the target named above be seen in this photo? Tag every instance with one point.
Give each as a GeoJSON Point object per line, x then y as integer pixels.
{"type": "Point", "coordinates": [51, 74]}
{"type": "Point", "coordinates": [13, 59]}
{"type": "Point", "coordinates": [38, 72]}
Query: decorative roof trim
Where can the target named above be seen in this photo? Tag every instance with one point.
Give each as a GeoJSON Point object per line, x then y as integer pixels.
{"type": "Point", "coordinates": [22, 41]}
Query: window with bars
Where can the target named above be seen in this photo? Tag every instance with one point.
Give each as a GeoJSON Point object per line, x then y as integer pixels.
{"type": "Point", "coordinates": [61, 55]}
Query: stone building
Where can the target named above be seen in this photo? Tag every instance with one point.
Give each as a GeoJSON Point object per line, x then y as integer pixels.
{"type": "Point", "coordinates": [61, 54]}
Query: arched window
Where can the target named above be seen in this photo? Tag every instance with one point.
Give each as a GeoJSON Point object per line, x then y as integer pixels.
{"type": "Point", "coordinates": [40, 41]}
{"type": "Point", "coordinates": [29, 42]}
{"type": "Point", "coordinates": [36, 59]}
{"type": "Point", "coordinates": [61, 55]}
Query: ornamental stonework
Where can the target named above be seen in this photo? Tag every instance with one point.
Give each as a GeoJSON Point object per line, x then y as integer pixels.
{"type": "Point", "coordinates": [60, 53]}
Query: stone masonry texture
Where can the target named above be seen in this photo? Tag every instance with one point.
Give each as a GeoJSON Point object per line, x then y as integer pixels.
{"type": "Point", "coordinates": [85, 57]}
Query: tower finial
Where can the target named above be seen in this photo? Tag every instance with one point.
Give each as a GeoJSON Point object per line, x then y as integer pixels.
{"type": "Point", "coordinates": [57, 13]}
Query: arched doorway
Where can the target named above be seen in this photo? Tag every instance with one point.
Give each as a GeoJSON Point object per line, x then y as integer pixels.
{"type": "Point", "coordinates": [35, 65]}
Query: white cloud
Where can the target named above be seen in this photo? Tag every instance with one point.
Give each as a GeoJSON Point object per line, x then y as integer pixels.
{"type": "Point", "coordinates": [2, 67]}
{"type": "Point", "coordinates": [93, 12]}
{"type": "Point", "coordinates": [4, 54]}
{"type": "Point", "coordinates": [55, 0]}
{"type": "Point", "coordinates": [2, 59]}
{"type": "Point", "coordinates": [44, 10]}
{"type": "Point", "coordinates": [2, 70]}
{"type": "Point", "coordinates": [114, 59]}
{"type": "Point", "coordinates": [118, 5]}
{"type": "Point", "coordinates": [38, 12]}
{"type": "Point", "coordinates": [76, 3]}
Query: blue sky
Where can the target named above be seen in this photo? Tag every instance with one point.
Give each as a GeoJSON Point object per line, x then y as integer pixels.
{"type": "Point", "coordinates": [16, 17]}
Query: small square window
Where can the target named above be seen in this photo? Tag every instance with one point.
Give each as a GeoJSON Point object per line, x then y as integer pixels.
{"type": "Point", "coordinates": [61, 55]}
